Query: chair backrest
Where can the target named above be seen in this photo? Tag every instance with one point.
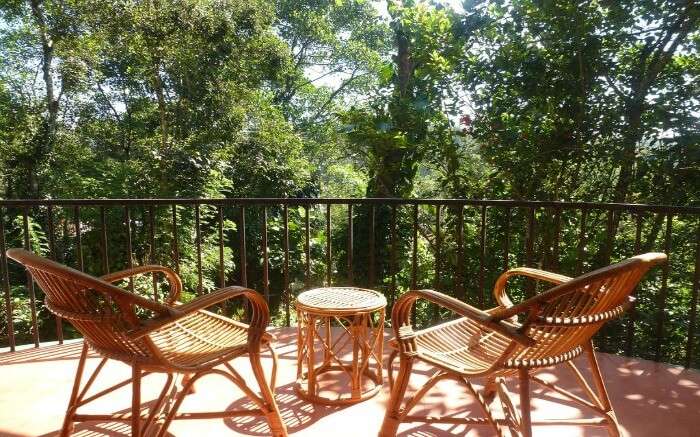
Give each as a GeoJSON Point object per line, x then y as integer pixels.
{"type": "Point", "coordinates": [566, 316]}
{"type": "Point", "coordinates": [102, 312]}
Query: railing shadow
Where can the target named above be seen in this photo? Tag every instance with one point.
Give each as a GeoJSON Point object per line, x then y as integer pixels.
{"type": "Point", "coordinates": [66, 351]}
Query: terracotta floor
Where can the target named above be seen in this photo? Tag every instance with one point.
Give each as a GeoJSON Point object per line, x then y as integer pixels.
{"type": "Point", "coordinates": [651, 400]}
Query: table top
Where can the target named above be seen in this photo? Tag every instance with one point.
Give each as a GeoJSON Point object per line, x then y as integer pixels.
{"type": "Point", "coordinates": [340, 300]}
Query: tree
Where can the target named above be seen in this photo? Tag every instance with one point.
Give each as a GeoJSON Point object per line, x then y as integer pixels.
{"type": "Point", "coordinates": [580, 89]}
{"type": "Point", "coordinates": [336, 49]}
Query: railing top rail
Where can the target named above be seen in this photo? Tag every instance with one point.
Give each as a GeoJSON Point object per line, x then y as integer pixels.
{"type": "Point", "coordinates": [635, 207]}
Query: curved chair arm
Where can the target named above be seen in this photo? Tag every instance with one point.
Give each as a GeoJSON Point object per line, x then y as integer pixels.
{"type": "Point", "coordinates": [401, 315]}
{"type": "Point", "coordinates": [499, 289]}
{"type": "Point", "coordinates": [260, 314]}
{"type": "Point", "coordinates": [170, 275]}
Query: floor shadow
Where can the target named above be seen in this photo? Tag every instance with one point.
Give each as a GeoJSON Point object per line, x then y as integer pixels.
{"type": "Point", "coordinates": [4, 433]}
{"type": "Point", "coordinates": [101, 429]}
{"type": "Point", "coordinates": [66, 351]}
{"type": "Point", "coordinates": [297, 413]}
{"type": "Point", "coordinates": [105, 428]}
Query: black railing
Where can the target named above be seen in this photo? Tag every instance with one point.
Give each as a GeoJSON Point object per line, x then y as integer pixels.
{"type": "Point", "coordinates": [280, 246]}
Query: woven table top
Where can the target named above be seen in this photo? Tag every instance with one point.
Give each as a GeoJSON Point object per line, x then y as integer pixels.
{"type": "Point", "coordinates": [340, 300]}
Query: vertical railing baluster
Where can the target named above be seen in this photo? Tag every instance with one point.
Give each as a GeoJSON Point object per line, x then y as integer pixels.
{"type": "Point", "coordinates": [438, 260]}
{"type": "Point", "coordinates": [329, 267]}
{"type": "Point", "coordinates": [506, 241]}
{"type": "Point", "coordinates": [482, 257]}
{"type": "Point", "coordinates": [103, 241]}
{"type": "Point", "coordinates": [350, 248]}
{"type": "Point", "coordinates": [414, 250]}
{"type": "Point", "coordinates": [609, 237]}
{"type": "Point", "coordinates": [307, 248]}
{"type": "Point", "coordinates": [78, 239]}
{"type": "Point", "coordinates": [459, 268]}
{"type": "Point", "coordinates": [582, 237]}
{"type": "Point", "coordinates": [220, 226]}
{"type": "Point", "coordinates": [266, 258]}
{"type": "Point", "coordinates": [9, 312]}
{"type": "Point", "coordinates": [663, 293]}
{"type": "Point", "coordinates": [51, 232]}
{"type": "Point", "coordinates": [438, 249]}
{"type": "Point", "coordinates": [30, 281]}
{"type": "Point", "coordinates": [414, 259]}
{"type": "Point", "coordinates": [530, 249]}
{"type": "Point", "coordinates": [198, 247]}
{"type": "Point", "coordinates": [242, 249]}
{"type": "Point", "coordinates": [287, 294]}
{"type": "Point", "coordinates": [372, 261]}
{"type": "Point", "coordinates": [152, 250]}
{"type": "Point", "coordinates": [129, 248]}
{"type": "Point", "coordinates": [557, 238]}
{"type": "Point", "coordinates": [52, 255]}
{"type": "Point", "coordinates": [632, 312]}
{"type": "Point", "coordinates": [693, 303]}
{"type": "Point", "coordinates": [176, 239]}
{"type": "Point", "coordinates": [392, 256]}
{"type": "Point", "coordinates": [607, 332]}
{"type": "Point", "coordinates": [530, 238]}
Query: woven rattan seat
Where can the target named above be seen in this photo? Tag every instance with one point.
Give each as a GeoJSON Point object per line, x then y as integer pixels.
{"type": "Point", "coordinates": [202, 339]}
{"type": "Point", "coordinates": [555, 327]}
{"type": "Point", "coordinates": [460, 344]}
{"type": "Point", "coordinates": [180, 340]}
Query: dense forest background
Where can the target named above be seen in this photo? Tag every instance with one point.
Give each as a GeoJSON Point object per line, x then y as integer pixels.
{"type": "Point", "coordinates": [504, 99]}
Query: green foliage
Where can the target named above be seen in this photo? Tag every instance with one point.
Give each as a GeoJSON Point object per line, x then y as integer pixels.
{"type": "Point", "coordinates": [587, 92]}
{"type": "Point", "coordinates": [527, 99]}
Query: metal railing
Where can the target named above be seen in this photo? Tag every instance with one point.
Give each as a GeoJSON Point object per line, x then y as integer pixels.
{"type": "Point", "coordinates": [457, 246]}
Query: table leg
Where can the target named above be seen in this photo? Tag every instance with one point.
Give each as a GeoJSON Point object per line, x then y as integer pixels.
{"type": "Point", "coordinates": [301, 321]}
{"type": "Point", "coordinates": [356, 331]}
{"type": "Point", "coordinates": [329, 342]}
{"type": "Point", "coordinates": [379, 329]}
{"type": "Point", "coordinates": [310, 351]}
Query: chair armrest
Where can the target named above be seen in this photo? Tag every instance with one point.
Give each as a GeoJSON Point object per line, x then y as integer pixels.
{"type": "Point", "coordinates": [499, 289]}
{"type": "Point", "coordinates": [170, 275]}
{"type": "Point", "coordinates": [260, 314]}
{"type": "Point", "coordinates": [401, 315]}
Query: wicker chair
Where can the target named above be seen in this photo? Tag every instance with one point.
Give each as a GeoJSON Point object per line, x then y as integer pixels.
{"type": "Point", "coordinates": [514, 341]}
{"type": "Point", "coordinates": [177, 339]}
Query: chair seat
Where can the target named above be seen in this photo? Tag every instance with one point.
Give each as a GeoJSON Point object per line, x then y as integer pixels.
{"type": "Point", "coordinates": [459, 345]}
{"type": "Point", "coordinates": [202, 339]}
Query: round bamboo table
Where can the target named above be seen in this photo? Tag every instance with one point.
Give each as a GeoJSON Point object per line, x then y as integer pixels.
{"type": "Point", "coordinates": [358, 316]}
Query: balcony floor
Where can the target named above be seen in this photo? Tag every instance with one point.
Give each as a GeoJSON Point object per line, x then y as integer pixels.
{"type": "Point", "coordinates": [650, 399]}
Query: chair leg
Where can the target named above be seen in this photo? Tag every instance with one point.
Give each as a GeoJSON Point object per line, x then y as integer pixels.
{"type": "Point", "coordinates": [490, 389]}
{"type": "Point", "coordinates": [185, 379]}
{"type": "Point", "coordinates": [136, 400]}
{"type": "Point", "coordinates": [613, 427]}
{"type": "Point", "coordinates": [274, 418]}
{"type": "Point", "coordinates": [275, 362]}
{"type": "Point", "coordinates": [392, 419]}
{"type": "Point", "coordinates": [67, 427]}
{"type": "Point", "coordinates": [525, 421]}
{"type": "Point", "coordinates": [390, 368]}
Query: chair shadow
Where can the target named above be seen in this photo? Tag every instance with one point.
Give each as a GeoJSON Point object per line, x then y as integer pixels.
{"type": "Point", "coordinates": [296, 413]}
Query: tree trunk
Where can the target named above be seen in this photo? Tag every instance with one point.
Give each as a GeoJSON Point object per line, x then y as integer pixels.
{"type": "Point", "coordinates": [44, 143]}
{"type": "Point", "coordinates": [632, 137]}
{"type": "Point", "coordinates": [158, 87]}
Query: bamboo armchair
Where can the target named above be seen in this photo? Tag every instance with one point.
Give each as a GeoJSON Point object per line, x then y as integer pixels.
{"type": "Point", "coordinates": [514, 340]}
{"type": "Point", "coordinates": [179, 339]}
